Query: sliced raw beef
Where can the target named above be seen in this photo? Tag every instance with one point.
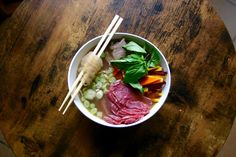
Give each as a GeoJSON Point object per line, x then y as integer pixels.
{"type": "Point", "coordinates": [126, 105]}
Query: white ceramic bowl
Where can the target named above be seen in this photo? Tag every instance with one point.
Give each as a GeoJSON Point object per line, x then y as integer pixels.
{"type": "Point", "coordinates": [91, 44]}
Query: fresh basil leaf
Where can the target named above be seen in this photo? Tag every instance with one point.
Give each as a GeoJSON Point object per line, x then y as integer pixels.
{"type": "Point", "coordinates": [155, 58]}
{"type": "Point", "coordinates": [135, 72]}
{"type": "Point", "coordinates": [132, 46]}
{"type": "Point", "coordinates": [128, 61]}
{"type": "Point", "coordinates": [137, 85]}
{"type": "Point", "coordinates": [134, 57]}
{"type": "Point", "coordinates": [145, 46]}
{"type": "Point", "coordinates": [122, 64]}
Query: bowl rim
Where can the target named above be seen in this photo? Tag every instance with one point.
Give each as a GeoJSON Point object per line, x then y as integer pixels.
{"type": "Point", "coordinates": [146, 117]}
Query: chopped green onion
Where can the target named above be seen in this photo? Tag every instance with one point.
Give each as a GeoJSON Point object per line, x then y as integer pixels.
{"type": "Point", "coordinates": [105, 90]}
{"type": "Point", "coordinates": [98, 78]}
{"type": "Point", "coordinates": [82, 99]}
{"type": "Point", "coordinates": [99, 94]}
{"type": "Point", "coordinates": [93, 85]}
{"type": "Point", "coordinates": [110, 75]}
{"type": "Point", "coordinates": [92, 105]}
{"type": "Point", "coordinates": [110, 70]}
{"type": "Point", "coordinates": [106, 76]}
{"type": "Point", "coordinates": [86, 104]}
{"type": "Point", "coordinates": [99, 114]}
{"type": "Point", "coordinates": [90, 94]}
{"type": "Point", "coordinates": [103, 80]}
{"type": "Point", "coordinates": [94, 110]}
{"type": "Point", "coordinates": [104, 87]}
{"type": "Point", "coordinates": [97, 89]}
{"type": "Point", "coordinates": [112, 79]}
{"type": "Point", "coordinates": [98, 85]}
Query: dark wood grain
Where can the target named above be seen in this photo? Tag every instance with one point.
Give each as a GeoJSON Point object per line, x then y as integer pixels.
{"type": "Point", "coordinates": [38, 42]}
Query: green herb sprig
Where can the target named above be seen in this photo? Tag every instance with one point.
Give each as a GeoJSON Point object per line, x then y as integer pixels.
{"type": "Point", "coordinates": [136, 64]}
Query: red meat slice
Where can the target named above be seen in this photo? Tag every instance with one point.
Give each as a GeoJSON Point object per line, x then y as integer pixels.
{"type": "Point", "coordinates": [127, 105]}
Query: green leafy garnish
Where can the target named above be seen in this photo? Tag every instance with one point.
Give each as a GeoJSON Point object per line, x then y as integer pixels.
{"type": "Point", "coordinates": [136, 64]}
{"type": "Point", "coordinates": [125, 63]}
{"type": "Point", "coordinates": [132, 46]}
{"type": "Point", "coordinates": [154, 60]}
{"type": "Point", "coordinates": [137, 85]}
{"type": "Point", "coordinates": [135, 72]}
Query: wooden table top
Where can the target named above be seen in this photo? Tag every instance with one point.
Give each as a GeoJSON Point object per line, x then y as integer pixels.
{"type": "Point", "coordinates": [36, 47]}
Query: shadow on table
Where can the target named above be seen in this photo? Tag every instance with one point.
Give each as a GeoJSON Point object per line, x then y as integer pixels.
{"type": "Point", "coordinates": [133, 141]}
{"type": "Point", "coordinates": [7, 7]}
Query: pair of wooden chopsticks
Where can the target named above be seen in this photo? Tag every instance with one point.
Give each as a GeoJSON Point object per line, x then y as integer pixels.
{"type": "Point", "coordinates": [115, 23]}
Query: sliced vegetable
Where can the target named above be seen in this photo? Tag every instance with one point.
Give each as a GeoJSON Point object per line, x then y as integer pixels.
{"type": "Point", "coordinates": [153, 94]}
{"type": "Point", "coordinates": [109, 70]}
{"type": "Point", "coordinates": [158, 81]}
{"type": "Point", "coordinates": [161, 73]}
{"type": "Point", "coordinates": [156, 86]}
{"type": "Point", "coordinates": [112, 79]}
{"type": "Point", "coordinates": [98, 85]}
{"type": "Point", "coordinates": [145, 89]}
{"type": "Point", "coordinates": [89, 94]}
{"type": "Point", "coordinates": [86, 103]}
{"type": "Point", "coordinates": [99, 114]}
{"type": "Point", "coordinates": [92, 105]}
{"type": "Point", "coordinates": [155, 100]}
{"type": "Point", "coordinates": [157, 68]}
{"type": "Point", "coordinates": [149, 79]}
{"type": "Point", "coordinates": [94, 110]}
{"type": "Point", "coordinates": [82, 99]}
{"type": "Point", "coordinates": [116, 71]}
{"type": "Point", "coordinates": [99, 94]}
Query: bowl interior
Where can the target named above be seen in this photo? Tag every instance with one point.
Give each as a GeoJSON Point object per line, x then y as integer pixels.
{"type": "Point", "coordinates": [91, 44]}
